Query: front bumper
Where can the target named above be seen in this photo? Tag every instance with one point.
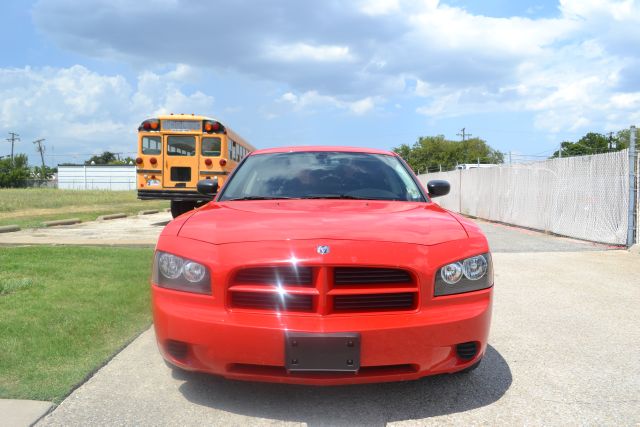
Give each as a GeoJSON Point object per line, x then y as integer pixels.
{"type": "Point", "coordinates": [178, 195]}
{"type": "Point", "coordinates": [250, 344]}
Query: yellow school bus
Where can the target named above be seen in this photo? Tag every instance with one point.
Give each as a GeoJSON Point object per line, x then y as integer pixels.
{"type": "Point", "coordinates": [176, 151]}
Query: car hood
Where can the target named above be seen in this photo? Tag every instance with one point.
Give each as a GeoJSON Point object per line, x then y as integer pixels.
{"type": "Point", "coordinates": [245, 221]}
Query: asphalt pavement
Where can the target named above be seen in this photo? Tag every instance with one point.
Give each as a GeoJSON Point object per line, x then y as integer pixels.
{"type": "Point", "coordinates": [563, 350]}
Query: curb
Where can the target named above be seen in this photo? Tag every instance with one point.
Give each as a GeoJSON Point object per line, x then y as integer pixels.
{"type": "Point", "coordinates": [69, 221]}
{"type": "Point", "coordinates": [9, 228]}
{"type": "Point", "coordinates": [111, 216]}
{"type": "Point", "coordinates": [148, 212]}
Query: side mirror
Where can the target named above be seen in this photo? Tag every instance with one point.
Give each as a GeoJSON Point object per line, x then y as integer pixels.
{"type": "Point", "coordinates": [437, 188]}
{"type": "Point", "coordinates": [208, 187]}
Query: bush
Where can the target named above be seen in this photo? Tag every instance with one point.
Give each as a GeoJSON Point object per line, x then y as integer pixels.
{"type": "Point", "coordinates": [14, 173]}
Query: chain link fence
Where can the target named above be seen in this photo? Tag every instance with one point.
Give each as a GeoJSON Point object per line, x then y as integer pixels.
{"type": "Point", "coordinates": [637, 201]}
{"type": "Point", "coordinates": [584, 197]}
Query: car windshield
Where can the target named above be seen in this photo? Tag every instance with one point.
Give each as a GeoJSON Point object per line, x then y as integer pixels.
{"type": "Point", "coordinates": [322, 175]}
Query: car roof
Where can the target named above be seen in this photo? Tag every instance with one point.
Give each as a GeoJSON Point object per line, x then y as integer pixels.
{"type": "Point", "coordinates": [323, 148]}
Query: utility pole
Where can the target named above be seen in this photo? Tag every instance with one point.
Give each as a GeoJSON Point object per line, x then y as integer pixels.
{"type": "Point", "coordinates": [464, 134]}
{"type": "Point", "coordinates": [14, 137]}
{"type": "Point", "coordinates": [40, 149]}
{"type": "Point", "coordinates": [612, 144]}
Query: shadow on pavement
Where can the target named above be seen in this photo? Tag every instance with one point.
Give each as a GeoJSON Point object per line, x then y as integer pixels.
{"type": "Point", "coordinates": [161, 223]}
{"type": "Point", "coordinates": [371, 404]}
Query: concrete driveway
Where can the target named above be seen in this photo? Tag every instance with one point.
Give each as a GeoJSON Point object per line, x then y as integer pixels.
{"type": "Point", "coordinates": [563, 350]}
{"type": "Point", "coordinates": [140, 230]}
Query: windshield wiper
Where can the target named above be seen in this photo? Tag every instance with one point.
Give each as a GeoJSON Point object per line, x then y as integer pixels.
{"type": "Point", "coordinates": [258, 198]}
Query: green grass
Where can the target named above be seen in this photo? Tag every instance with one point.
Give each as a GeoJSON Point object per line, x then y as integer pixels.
{"type": "Point", "coordinates": [29, 207]}
{"type": "Point", "coordinates": [67, 310]}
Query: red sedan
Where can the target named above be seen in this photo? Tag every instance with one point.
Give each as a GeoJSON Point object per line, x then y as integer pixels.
{"type": "Point", "coordinates": [322, 265]}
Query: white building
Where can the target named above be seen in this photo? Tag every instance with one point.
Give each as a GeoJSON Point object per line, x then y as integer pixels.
{"type": "Point", "coordinates": [102, 177]}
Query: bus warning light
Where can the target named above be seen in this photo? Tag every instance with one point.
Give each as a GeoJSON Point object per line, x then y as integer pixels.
{"type": "Point", "coordinates": [139, 160]}
{"type": "Point", "coordinates": [223, 162]}
{"type": "Point", "coordinates": [150, 125]}
{"type": "Point", "coordinates": [153, 160]}
{"type": "Point", "coordinates": [211, 126]}
{"type": "Point", "coordinates": [208, 162]}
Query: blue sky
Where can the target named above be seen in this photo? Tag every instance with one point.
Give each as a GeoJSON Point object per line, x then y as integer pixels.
{"type": "Point", "coordinates": [524, 75]}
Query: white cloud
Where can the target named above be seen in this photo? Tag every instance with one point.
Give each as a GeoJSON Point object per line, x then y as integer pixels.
{"type": "Point", "coordinates": [378, 7]}
{"type": "Point", "coordinates": [78, 110]}
{"type": "Point", "coordinates": [574, 70]}
{"type": "Point", "coordinates": [311, 101]}
{"type": "Point", "coordinates": [362, 106]}
{"type": "Point", "coordinates": [306, 52]}
{"type": "Point", "coordinates": [289, 97]}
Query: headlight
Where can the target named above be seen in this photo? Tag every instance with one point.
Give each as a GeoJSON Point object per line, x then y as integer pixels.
{"type": "Point", "coordinates": [170, 265]}
{"type": "Point", "coordinates": [451, 273]}
{"type": "Point", "coordinates": [173, 272]}
{"type": "Point", "coordinates": [475, 268]}
{"type": "Point", "coordinates": [470, 274]}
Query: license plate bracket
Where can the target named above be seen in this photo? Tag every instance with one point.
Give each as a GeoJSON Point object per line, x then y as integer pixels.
{"type": "Point", "coordinates": [311, 352]}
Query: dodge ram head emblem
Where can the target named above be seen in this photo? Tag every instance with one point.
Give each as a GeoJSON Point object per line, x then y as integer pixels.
{"type": "Point", "coordinates": [322, 249]}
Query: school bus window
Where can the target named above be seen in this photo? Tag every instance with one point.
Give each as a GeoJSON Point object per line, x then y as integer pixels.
{"type": "Point", "coordinates": [151, 145]}
{"type": "Point", "coordinates": [211, 146]}
{"type": "Point", "coordinates": [181, 145]}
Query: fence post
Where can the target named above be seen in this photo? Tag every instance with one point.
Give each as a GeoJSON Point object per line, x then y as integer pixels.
{"type": "Point", "coordinates": [459, 190]}
{"type": "Point", "coordinates": [632, 190]}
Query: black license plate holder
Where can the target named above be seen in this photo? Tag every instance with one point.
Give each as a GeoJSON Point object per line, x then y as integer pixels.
{"type": "Point", "coordinates": [311, 352]}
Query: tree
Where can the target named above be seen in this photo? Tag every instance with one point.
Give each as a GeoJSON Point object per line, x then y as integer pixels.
{"type": "Point", "coordinates": [14, 173]}
{"type": "Point", "coordinates": [109, 158]}
{"type": "Point", "coordinates": [433, 152]}
{"type": "Point", "coordinates": [42, 173]}
{"type": "Point", "coordinates": [106, 158]}
{"type": "Point", "coordinates": [594, 143]}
